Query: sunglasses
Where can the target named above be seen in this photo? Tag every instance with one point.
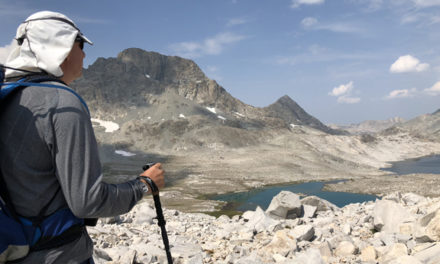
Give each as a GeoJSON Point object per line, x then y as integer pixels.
{"type": "Point", "coordinates": [80, 41]}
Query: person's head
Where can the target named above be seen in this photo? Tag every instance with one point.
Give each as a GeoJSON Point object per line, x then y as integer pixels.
{"type": "Point", "coordinates": [73, 64]}
{"type": "Point", "coordinates": [48, 42]}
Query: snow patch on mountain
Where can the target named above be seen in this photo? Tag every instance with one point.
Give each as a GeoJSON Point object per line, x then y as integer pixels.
{"type": "Point", "coordinates": [108, 125]}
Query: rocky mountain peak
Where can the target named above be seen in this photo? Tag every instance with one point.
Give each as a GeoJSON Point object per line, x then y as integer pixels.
{"type": "Point", "coordinates": [285, 99]}
{"type": "Point", "coordinates": [168, 90]}
{"type": "Point", "coordinates": [169, 69]}
{"type": "Point", "coordinates": [288, 110]}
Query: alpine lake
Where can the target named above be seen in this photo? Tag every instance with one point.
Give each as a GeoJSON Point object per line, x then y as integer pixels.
{"type": "Point", "coordinates": [244, 201]}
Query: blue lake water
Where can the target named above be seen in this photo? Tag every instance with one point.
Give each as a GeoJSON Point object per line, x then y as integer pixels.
{"type": "Point", "coordinates": [430, 164]}
{"type": "Point", "coordinates": [244, 201]}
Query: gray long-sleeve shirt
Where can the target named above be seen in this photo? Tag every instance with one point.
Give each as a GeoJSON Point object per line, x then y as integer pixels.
{"type": "Point", "coordinates": [47, 142]}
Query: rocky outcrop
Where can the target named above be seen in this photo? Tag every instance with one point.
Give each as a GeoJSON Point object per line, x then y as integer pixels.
{"type": "Point", "coordinates": [333, 235]}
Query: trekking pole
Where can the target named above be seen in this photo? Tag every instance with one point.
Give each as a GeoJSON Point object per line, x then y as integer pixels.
{"type": "Point", "coordinates": [160, 218]}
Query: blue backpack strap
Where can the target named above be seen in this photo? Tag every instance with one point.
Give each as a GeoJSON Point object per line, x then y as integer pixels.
{"type": "Point", "coordinates": [14, 86]}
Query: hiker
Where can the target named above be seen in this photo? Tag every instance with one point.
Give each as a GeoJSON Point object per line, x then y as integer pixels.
{"type": "Point", "coordinates": [49, 154]}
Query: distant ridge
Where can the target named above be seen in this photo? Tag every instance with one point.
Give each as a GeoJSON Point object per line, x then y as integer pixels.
{"type": "Point", "coordinates": [427, 126]}
{"type": "Point", "coordinates": [370, 126]}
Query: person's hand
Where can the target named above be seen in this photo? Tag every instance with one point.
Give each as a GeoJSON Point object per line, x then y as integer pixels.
{"type": "Point", "coordinates": [156, 174]}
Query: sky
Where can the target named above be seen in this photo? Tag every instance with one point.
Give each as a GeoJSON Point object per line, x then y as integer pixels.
{"type": "Point", "coordinates": [343, 61]}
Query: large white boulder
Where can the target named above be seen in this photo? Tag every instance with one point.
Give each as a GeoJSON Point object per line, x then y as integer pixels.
{"type": "Point", "coordinates": [303, 232]}
{"type": "Point", "coordinates": [433, 227]}
{"type": "Point", "coordinates": [311, 256]}
{"type": "Point", "coordinates": [412, 198]}
{"type": "Point", "coordinates": [346, 248]}
{"type": "Point", "coordinates": [320, 204]}
{"type": "Point", "coordinates": [285, 205]}
{"type": "Point", "coordinates": [427, 229]}
{"type": "Point", "coordinates": [405, 260]}
{"type": "Point", "coordinates": [143, 214]}
{"type": "Point", "coordinates": [309, 211]}
{"type": "Point", "coordinates": [430, 255]}
{"type": "Point", "coordinates": [389, 215]}
{"type": "Point", "coordinates": [282, 243]}
{"type": "Point", "coordinates": [368, 254]}
{"type": "Point", "coordinates": [187, 250]}
{"type": "Point", "coordinates": [394, 251]}
{"type": "Point", "coordinates": [260, 222]}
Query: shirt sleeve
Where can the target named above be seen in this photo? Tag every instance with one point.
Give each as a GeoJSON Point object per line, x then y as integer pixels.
{"type": "Point", "coordinates": [78, 167]}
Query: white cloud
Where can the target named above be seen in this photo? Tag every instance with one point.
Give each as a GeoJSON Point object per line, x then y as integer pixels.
{"type": "Point", "coordinates": [404, 93]}
{"type": "Point", "coordinates": [4, 52]}
{"type": "Point", "coordinates": [343, 92]}
{"type": "Point", "coordinates": [342, 89]}
{"type": "Point", "coordinates": [434, 90]}
{"type": "Point", "coordinates": [341, 28]}
{"type": "Point", "coordinates": [309, 22]}
{"type": "Point", "coordinates": [426, 3]}
{"type": "Point", "coordinates": [423, 19]}
{"type": "Point", "coordinates": [348, 100]}
{"type": "Point", "coordinates": [408, 63]}
{"type": "Point", "coordinates": [297, 3]}
{"type": "Point", "coordinates": [210, 46]}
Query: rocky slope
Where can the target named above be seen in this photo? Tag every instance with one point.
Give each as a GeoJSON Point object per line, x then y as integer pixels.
{"type": "Point", "coordinates": [399, 229]}
{"type": "Point", "coordinates": [297, 155]}
{"type": "Point", "coordinates": [425, 126]}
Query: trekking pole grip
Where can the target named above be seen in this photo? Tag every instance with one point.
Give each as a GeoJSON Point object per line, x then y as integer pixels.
{"type": "Point", "coordinates": [153, 186]}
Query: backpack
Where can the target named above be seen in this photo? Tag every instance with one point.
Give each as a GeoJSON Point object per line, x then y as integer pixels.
{"type": "Point", "coordinates": [20, 235]}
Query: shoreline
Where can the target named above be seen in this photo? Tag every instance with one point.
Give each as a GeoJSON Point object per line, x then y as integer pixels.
{"type": "Point", "coordinates": [194, 177]}
{"type": "Point", "coordinates": [421, 184]}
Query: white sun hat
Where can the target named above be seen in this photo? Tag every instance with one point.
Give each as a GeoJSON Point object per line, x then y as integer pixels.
{"type": "Point", "coordinates": [43, 42]}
